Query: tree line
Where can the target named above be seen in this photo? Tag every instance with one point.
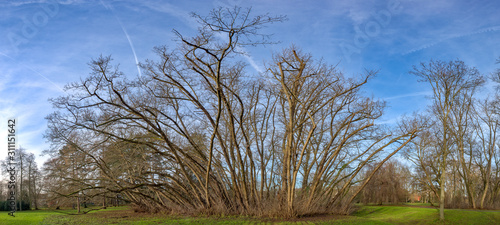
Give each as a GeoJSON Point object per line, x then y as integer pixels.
{"type": "Point", "coordinates": [196, 133]}
{"type": "Point", "coordinates": [30, 183]}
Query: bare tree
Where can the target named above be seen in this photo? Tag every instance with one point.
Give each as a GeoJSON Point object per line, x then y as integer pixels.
{"type": "Point", "coordinates": [423, 152]}
{"type": "Point", "coordinates": [449, 81]}
{"type": "Point", "coordinates": [462, 134]}
{"type": "Point", "coordinates": [197, 134]}
{"type": "Point", "coordinates": [487, 128]}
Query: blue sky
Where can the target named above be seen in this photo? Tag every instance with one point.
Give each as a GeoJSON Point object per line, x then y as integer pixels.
{"type": "Point", "coordinates": [45, 44]}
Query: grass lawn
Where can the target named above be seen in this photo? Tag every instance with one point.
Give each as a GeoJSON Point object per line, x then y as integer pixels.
{"type": "Point", "coordinates": [417, 215]}
{"type": "Point", "coordinates": [420, 204]}
{"type": "Point", "coordinates": [37, 216]}
{"type": "Point", "coordinates": [414, 214]}
{"type": "Point", "coordinates": [30, 216]}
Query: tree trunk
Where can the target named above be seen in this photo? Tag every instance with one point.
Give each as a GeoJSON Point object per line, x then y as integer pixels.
{"type": "Point", "coordinates": [104, 201]}
{"type": "Point", "coordinates": [78, 202]}
{"type": "Point", "coordinates": [484, 193]}
{"type": "Point", "coordinates": [441, 196]}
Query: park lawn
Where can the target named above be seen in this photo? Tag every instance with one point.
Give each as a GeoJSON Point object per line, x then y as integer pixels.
{"type": "Point", "coordinates": [30, 216]}
{"type": "Point", "coordinates": [417, 215]}
{"type": "Point", "coordinates": [365, 215]}
{"type": "Point", "coordinates": [420, 204]}
{"type": "Point", "coordinates": [24, 217]}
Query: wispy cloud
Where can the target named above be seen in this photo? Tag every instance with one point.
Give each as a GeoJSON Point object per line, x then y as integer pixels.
{"type": "Point", "coordinates": [18, 3]}
{"type": "Point", "coordinates": [415, 94]}
{"type": "Point", "coordinates": [188, 20]}
{"type": "Point", "coordinates": [35, 72]}
{"type": "Point", "coordinates": [172, 10]}
{"type": "Point", "coordinates": [479, 31]}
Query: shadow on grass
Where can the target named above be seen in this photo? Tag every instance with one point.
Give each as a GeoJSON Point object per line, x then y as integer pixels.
{"type": "Point", "coordinates": [67, 212]}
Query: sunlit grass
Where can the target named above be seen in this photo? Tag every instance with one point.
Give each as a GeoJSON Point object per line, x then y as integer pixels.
{"type": "Point", "coordinates": [413, 215]}
{"type": "Point", "coordinates": [419, 204]}
{"type": "Point", "coordinates": [29, 216]}
{"type": "Point", "coordinates": [37, 216]}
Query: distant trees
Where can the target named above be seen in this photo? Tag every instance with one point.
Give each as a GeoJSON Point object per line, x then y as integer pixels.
{"type": "Point", "coordinates": [197, 133]}
{"type": "Point", "coordinates": [34, 181]}
{"type": "Point", "coordinates": [29, 183]}
{"type": "Point", "coordinates": [390, 184]}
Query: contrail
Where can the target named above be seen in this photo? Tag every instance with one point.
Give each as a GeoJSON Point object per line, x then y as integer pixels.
{"type": "Point", "coordinates": [131, 46]}
{"type": "Point", "coordinates": [36, 72]}
{"type": "Point", "coordinates": [110, 8]}
{"type": "Point", "coordinates": [484, 30]}
{"type": "Point", "coordinates": [414, 94]}
{"type": "Point", "coordinates": [250, 60]}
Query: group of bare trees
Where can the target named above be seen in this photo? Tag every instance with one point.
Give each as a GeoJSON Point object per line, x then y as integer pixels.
{"type": "Point", "coordinates": [30, 184]}
{"type": "Point", "coordinates": [457, 156]}
{"type": "Point", "coordinates": [198, 133]}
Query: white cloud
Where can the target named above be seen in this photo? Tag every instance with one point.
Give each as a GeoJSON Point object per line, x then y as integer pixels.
{"type": "Point", "coordinates": [172, 10]}
{"type": "Point", "coordinates": [18, 3]}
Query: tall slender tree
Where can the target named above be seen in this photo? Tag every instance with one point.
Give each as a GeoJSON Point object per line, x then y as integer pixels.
{"type": "Point", "coordinates": [449, 81]}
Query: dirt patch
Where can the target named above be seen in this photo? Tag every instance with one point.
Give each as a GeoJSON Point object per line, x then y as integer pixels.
{"type": "Point", "coordinates": [129, 214]}
{"type": "Point", "coordinates": [125, 213]}
{"type": "Point", "coordinates": [311, 218]}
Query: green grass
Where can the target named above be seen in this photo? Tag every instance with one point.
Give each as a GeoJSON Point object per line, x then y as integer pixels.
{"type": "Point", "coordinates": [413, 215]}
{"type": "Point", "coordinates": [365, 215]}
{"type": "Point", "coordinates": [419, 204]}
{"type": "Point", "coordinates": [29, 217]}
{"type": "Point", "coordinates": [36, 217]}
